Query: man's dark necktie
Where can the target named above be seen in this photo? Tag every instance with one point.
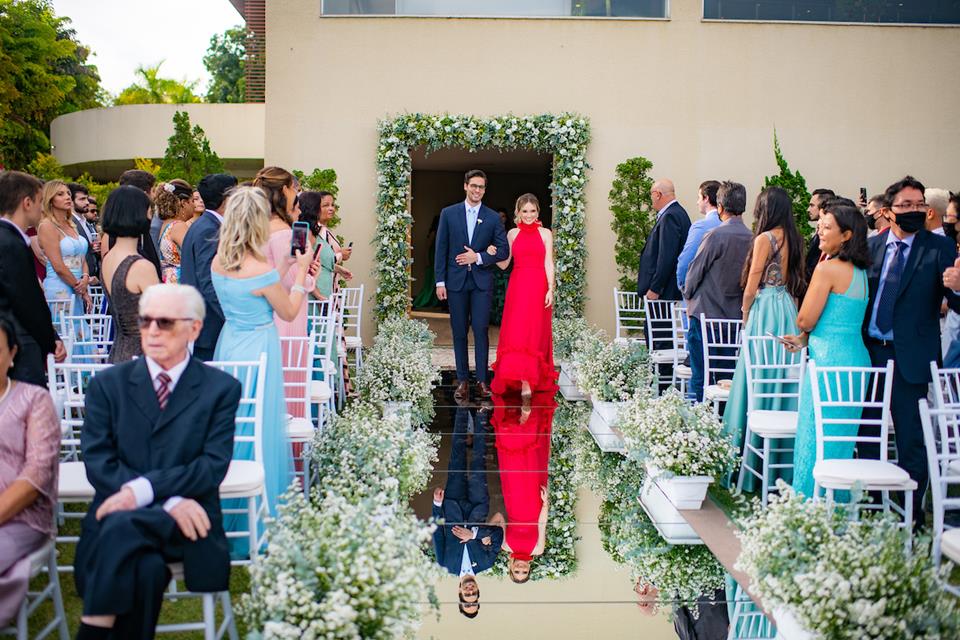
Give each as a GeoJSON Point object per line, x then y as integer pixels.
{"type": "Point", "coordinates": [163, 389]}
{"type": "Point", "coordinates": [891, 287]}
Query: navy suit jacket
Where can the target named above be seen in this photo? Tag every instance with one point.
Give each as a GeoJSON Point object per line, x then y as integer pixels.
{"type": "Point", "coordinates": [452, 237]}
{"type": "Point", "coordinates": [448, 547]}
{"type": "Point", "coordinates": [183, 450]}
{"type": "Point", "coordinates": [21, 295]}
{"type": "Point", "coordinates": [658, 263]}
{"type": "Point", "coordinates": [196, 255]}
{"type": "Point", "coordinates": [916, 313]}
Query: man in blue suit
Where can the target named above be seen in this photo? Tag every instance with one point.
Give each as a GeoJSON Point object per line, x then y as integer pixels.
{"type": "Point", "coordinates": [196, 255]}
{"type": "Point", "coordinates": [909, 278]}
{"type": "Point", "coordinates": [464, 277]}
{"type": "Point", "coordinates": [466, 543]}
{"type": "Point", "coordinates": [157, 440]}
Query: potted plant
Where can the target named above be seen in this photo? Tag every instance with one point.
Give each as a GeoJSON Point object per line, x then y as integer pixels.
{"type": "Point", "coordinates": [613, 373]}
{"type": "Point", "coordinates": [573, 340]}
{"type": "Point", "coordinates": [682, 446]}
{"type": "Point", "coordinates": [825, 576]}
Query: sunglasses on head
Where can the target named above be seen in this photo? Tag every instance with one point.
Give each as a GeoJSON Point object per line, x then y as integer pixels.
{"type": "Point", "coordinates": [164, 324]}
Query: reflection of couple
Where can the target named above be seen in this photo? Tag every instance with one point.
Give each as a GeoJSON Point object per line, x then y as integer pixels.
{"type": "Point", "coordinates": [466, 252]}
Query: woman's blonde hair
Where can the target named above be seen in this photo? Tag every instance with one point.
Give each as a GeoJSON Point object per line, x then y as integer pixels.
{"type": "Point", "coordinates": [50, 189]}
{"type": "Point", "coordinates": [246, 227]}
{"type": "Point", "coordinates": [527, 198]}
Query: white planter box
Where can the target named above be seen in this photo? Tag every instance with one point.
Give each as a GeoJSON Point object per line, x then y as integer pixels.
{"type": "Point", "coordinates": [669, 523]}
{"type": "Point", "coordinates": [683, 492]}
{"type": "Point", "coordinates": [788, 627]}
{"type": "Point", "coordinates": [397, 409]}
{"type": "Point", "coordinates": [603, 420]}
{"type": "Point", "coordinates": [568, 383]}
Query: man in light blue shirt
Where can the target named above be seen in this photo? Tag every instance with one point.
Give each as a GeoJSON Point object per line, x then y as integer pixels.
{"type": "Point", "coordinates": [707, 204]}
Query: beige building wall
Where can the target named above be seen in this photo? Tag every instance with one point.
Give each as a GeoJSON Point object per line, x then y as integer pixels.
{"type": "Point", "coordinates": [854, 105]}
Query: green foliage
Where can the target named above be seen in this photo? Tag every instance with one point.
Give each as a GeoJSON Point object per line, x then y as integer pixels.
{"type": "Point", "coordinates": [632, 216]}
{"type": "Point", "coordinates": [153, 89]}
{"type": "Point", "coordinates": [46, 167]}
{"type": "Point", "coordinates": [99, 190]}
{"type": "Point", "coordinates": [43, 74]}
{"type": "Point", "coordinates": [188, 155]}
{"type": "Point", "coordinates": [225, 63]}
{"type": "Point", "coordinates": [320, 180]}
{"type": "Point", "coordinates": [794, 184]}
{"type": "Point", "coordinates": [146, 164]}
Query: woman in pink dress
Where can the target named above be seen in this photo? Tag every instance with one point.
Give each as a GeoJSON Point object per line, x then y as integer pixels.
{"type": "Point", "coordinates": [523, 451]}
{"type": "Point", "coordinates": [525, 348]}
{"type": "Point", "coordinates": [29, 445]}
{"type": "Point", "coordinates": [280, 187]}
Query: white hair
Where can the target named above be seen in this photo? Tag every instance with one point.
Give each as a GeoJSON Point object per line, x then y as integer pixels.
{"type": "Point", "coordinates": [937, 199]}
{"type": "Point", "coordinates": [190, 297]}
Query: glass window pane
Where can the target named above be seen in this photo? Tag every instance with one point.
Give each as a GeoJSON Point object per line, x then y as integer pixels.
{"type": "Point", "coordinates": [869, 11]}
{"type": "Point", "coordinates": [500, 8]}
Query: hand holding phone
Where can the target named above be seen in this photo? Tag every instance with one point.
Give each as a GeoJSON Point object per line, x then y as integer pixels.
{"type": "Point", "coordinates": [298, 240]}
{"type": "Point", "coordinates": [785, 343]}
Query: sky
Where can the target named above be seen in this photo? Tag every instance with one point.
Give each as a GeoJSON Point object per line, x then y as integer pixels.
{"type": "Point", "coordinates": [124, 34]}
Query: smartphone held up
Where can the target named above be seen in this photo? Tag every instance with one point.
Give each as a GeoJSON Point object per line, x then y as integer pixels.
{"type": "Point", "coordinates": [298, 241]}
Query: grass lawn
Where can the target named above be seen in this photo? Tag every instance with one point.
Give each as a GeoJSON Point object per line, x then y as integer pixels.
{"type": "Point", "coordinates": [183, 610]}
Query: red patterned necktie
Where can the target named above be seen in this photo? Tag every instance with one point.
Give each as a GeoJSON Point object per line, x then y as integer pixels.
{"type": "Point", "coordinates": [163, 389]}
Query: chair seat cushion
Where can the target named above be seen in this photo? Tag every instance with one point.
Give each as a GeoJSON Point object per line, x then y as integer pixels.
{"type": "Point", "coordinates": [353, 342]}
{"type": "Point", "coordinates": [663, 356]}
{"type": "Point", "coordinates": [319, 391]}
{"type": "Point", "coordinates": [72, 484]}
{"type": "Point", "coordinates": [773, 424]}
{"type": "Point", "coordinates": [299, 429]}
{"type": "Point", "coordinates": [844, 474]}
{"type": "Point", "coordinates": [715, 392]}
{"type": "Point", "coordinates": [685, 372]}
{"type": "Point", "coordinates": [244, 478]}
{"type": "Point", "coordinates": [950, 544]}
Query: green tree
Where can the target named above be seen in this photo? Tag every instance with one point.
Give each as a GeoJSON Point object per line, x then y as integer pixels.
{"type": "Point", "coordinates": [225, 63]}
{"type": "Point", "coordinates": [188, 155]}
{"type": "Point", "coordinates": [43, 74]}
{"type": "Point", "coordinates": [632, 218]}
{"type": "Point", "coordinates": [154, 89]}
{"type": "Point", "coordinates": [46, 167]}
{"type": "Point", "coordinates": [794, 184]}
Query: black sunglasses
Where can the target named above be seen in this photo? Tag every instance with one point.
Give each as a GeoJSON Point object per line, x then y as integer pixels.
{"type": "Point", "coordinates": [164, 324]}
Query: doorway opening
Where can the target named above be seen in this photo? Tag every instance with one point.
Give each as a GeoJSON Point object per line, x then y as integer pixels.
{"type": "Point", "coordinates": [437, 182]}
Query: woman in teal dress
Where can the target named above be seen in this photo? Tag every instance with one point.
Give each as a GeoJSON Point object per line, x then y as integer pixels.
{"type": "Point", "coordinates": [250, 291]}
{"type": "Point", "coordinates": [773, 281]}
{"type": "Point", "coordinates": [831, 320]}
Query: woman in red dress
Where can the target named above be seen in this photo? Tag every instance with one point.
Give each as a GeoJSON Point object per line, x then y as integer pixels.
{"type": "Point", "coordinates": [523, 453]}
{"type": "Point", "coordinates": [525, 349]}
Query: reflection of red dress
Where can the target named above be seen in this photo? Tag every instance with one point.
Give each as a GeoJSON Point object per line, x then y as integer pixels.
{"type": "Point", "coordinates": [525, 348]}
{"type": "Point", "coordinates": [523, 452]}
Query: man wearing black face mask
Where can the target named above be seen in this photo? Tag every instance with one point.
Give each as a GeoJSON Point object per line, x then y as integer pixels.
{"type": "Point", "coordinates": [902, 322]}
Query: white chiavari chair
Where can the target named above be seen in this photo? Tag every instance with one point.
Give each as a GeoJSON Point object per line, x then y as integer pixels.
{"type": "Point", "coordinates": [352, 323]}
{"type": "Point", "coordinates": [681, 324]}
{"type": "Point", "coordinates": [98, 298]}
{"type": "Point", "coordinates": [42, 561]}
{"type": "Point", "coordinates": [942, 443]}
{"type": "Point", "coordinates": [660, 339]}
{"type": "Point", "coordinates": [849, 404]}
{"type": "Point", "coordinates": [774, 378]}
{"type": "Point", "coordinates": [721, 351]}
{"type": "Point", "coordinates": [323, 358]}
{"type": "Point", "coordinates": [630, 318]}
{"type": "Point", "coordinates": [297, 375]}
{"type": "Point", "coordinates": [90, 335]}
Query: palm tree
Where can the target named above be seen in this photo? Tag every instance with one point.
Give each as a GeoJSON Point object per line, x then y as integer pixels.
{"type": "Point", "coordinates": [154, 89]}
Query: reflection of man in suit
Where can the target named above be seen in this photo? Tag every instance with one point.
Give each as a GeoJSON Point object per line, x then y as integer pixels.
{"type": "Point", "coordinates": [156, 441]}
{"type": "Point", "coordinates": [199, 247]}
{"type": "Point", "coordinates": [909, 278]}
{"type": "Point", "coordinates": [465, 278]}
{"type": "Point", "coordinates": [657, 274]}
{"type": "Point", "coordinates": [711, 622]}
{"type": "Point", "coordinates": [20, 291]}
{"type": "Point", "coordinates": [466, 543]}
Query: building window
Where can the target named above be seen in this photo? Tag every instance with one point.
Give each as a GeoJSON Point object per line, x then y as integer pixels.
{"type": "Point", "coordinates": [500, 8]}
{"type": "Point", "coordinates": [866, 11]}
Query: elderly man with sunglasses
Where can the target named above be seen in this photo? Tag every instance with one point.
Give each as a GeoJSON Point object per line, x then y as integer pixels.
{"type": "Point", "coordinates": [157, 440]}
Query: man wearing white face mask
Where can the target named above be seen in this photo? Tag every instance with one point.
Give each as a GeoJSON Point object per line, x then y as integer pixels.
{"type": "Point", "coordinates": [817, 199]}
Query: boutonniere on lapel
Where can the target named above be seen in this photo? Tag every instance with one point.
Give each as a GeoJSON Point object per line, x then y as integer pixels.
{"type": "Point", "coordinates": [479, 220]}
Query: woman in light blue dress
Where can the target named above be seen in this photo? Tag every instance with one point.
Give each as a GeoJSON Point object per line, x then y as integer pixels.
{"type": "Point", "coordinates": [250, 292]}
{"type": "Point", "coordinates": [64, 250]}
{"type": "Point", "coordinates": [772, 280]}
{"type": "Point", "coordinates": [831, 320]}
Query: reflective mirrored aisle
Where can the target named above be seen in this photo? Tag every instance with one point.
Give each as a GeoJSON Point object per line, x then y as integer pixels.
{"type": "Point", "coordinates": [531, 509]}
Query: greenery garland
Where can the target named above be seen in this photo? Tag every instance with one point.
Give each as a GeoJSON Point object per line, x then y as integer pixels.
{"type": "Point", "coordinates": [565, 136]}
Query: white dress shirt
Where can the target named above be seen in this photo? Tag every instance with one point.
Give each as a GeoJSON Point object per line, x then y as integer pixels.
{"type": "Point", "coordinates": [141, 487]}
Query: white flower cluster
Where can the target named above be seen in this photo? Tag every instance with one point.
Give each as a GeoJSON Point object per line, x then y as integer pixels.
{"type": "Point", "coordinates": [564, 135]}
{"type": "Point", "coordinates": [675, 437]}
{"type": "Point", "coordinates": [613, 371]}
{"type": "Point", "coordinates": [340, 569]}
{"type": "Point", "coordinates": [362, 453]}
{"type": "Point", "coordinates": [844, 579]}
{"type": "Point", "coordinates": [398, 367]}
{"type": "Point", "coordinates": [559, 557]}
{"type": "Point", "coordinates": [570, 335]}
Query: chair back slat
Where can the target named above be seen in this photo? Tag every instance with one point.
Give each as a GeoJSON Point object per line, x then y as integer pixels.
{"type": "Point", "coordinates": [659, 322]}
{"type": "Point", "coordinates": [681, 324]}
{"type": "Point", "coordinates": [773, 373]}
{"type": "Point", "coordinates": [249, 422]}
{"type": "Point", "coordinates": [721, 347]}
{"type": "Point", "coordinates": [629, 312]}
{"type": "Point", "coordinates": [68, 383]}
{"type": "Point", "coordinates": [297, 373]}
{"type": "Point", "coordinates": [352, 310]}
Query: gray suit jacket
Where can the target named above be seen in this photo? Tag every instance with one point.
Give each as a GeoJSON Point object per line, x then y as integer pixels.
{"type": "Point", "coordinates": [713, 280]}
